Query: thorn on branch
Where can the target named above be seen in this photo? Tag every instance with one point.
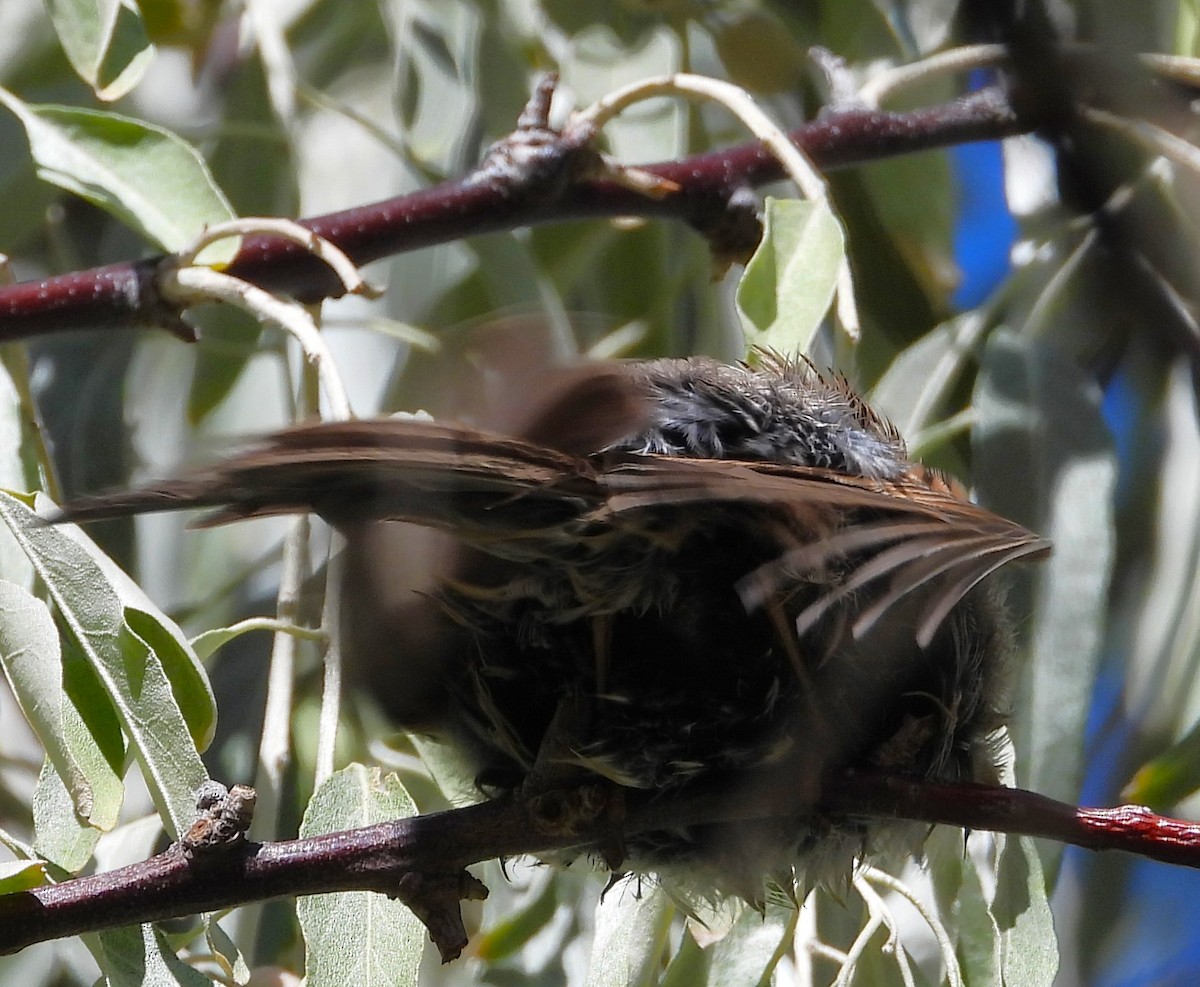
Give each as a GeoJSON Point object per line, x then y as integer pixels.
{"type": "Point", "coordinates": [434, 899]}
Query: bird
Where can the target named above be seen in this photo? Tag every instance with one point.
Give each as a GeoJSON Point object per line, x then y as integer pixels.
{"type": "Point", "coordinates": [660, 576]}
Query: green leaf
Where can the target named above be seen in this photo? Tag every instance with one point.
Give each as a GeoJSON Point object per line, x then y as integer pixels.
{"type": "Point", "coordinates": [509, 935]}
{"type": "Point", "coordinates": [1159, 614]}
{"type": "Point", "coordinates": [632, 922]}
{"type": "Point", "coordinates": [132, 674]}
{"type": "Point", "coordinates": [689, 965]}
{"type": "Point", "coordinates": [962, 902]}
{"type": "Point", "coordinates": [1169, 778]}
{"type": "Point", "coordinates": [914, 391]}
{"type": "Point", "coordinates": [130, 843]}
{"type": "Point", "coordinates": [748, 954]}
{"type": "Point", "coordinates": [1044, 457]}
{"type": "Point", "coordinates": [189, 683]}
{"type": "Point", "coordinates": [1029, 947]}
{"type": "Point", "coordinates": [789, 282]}
{"type": "Point", "coordinates": [21, 875]}
{"type": "Point", "coordinates": [916, 202]}
{"type": "Point", "coordinates": [17, 472]}
{"type": "Point", "coordinates": [358, 937]}
{"type": "Point", "coordinates": [59, 835]}
{"type": "Point", "coordinates": [181, 664]}
{"type": "Point", "coordinates": [105, 41]}
{"type": "Point", "coordinates": [141, 957]}
{"type": "Point", "coordinates": [144, 175]}
{"type": "Point", "coordinates": [225, 950]}
{"type": "Point", "coordinates": [33, 664]}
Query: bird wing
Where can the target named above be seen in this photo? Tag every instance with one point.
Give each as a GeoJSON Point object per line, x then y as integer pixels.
{"type": "Point", "coordinates": [902, 534]}
{"type": "Point", "coordinates": [386, 469]}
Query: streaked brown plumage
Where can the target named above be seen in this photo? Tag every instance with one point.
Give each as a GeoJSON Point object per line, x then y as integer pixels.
{"type": "Point", "coordinates": [676, 571]}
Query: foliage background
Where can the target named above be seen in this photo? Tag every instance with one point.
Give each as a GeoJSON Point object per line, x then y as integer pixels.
{"type": "Point", "coordinates": [1057, 376]}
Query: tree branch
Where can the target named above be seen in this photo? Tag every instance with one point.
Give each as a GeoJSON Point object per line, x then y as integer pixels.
{"type": "Point", "coordinates": [421, 859]}
{"type": "Point", "coordinates": [126, 294]}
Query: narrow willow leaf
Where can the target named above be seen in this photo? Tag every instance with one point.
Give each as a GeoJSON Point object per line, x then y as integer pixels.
{"type": "Point", "coordinates": [789, 282]}
{"type": "Point", "coordinates": [21, 875]}
{"type": "Point", "coordinates": [914, 391]}
{"type": "Point", "coordinates": [105, 41]}
{"type": "Point", "coordinates": [979, 943]}
{"type": "Point", "coordinates": [358, 937]}
{"type": "Point", "coordinates": [513, 932]}
{"type": "Point", "coordinates": [141, 957]}
{"type": "Point", "coordinates": [189, 682]}
{"type": "Point", "coordinates": [132, 674]}
{"type": "Point", "coordinates": [17, 471]}
{"type": "Point", "coordinates": [750, 951]}
{"type": "Point", "coordinates": [1044, 457]}
{"type": "Point", "coordinates": [144, 175]}
{"type": "Point", "coordinates": [916, 201]}
{"type": "Point", "coordinates": [129, 843]}
{"type": "Point", "coordinates": [1162, 695]}
{"type": "Point", "coordinates": [632, 922]}
{"type": "Point", "coordinates": [59, 835]}
{"type": "Point", "coordinates": [33, 664]}
{"type": "Point", "coordinates": [689, 965]}
{"type": "Point", "coordinates": [1029, 947]}
{"type": "Point", "coordinates": [1169, 778]}
{"type": "Point", "coordinates": [225, 951]}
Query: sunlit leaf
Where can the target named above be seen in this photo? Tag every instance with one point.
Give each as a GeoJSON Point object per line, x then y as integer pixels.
{"type": "Point", "coordinates": [1029, 947]}
{"type": "Point", "coordinates": [631, 931]}
{"type": "Point", "coordinates": [225, 949]}
{"type": "Point", "coordinates": [141, 957]}
{"type": "Point", "coordinates": [60, 836]}
{"type": "Point", "coordinates": [132, 674]}
{"type": "Point", "coordinates": [21, 875]}
{"type": "Point", "coordinates": [144, 175]}
{"type": "Point", "coordinates": [189, 681]}
{"type": "Point", "coordinates": [515, 931]}
{"type": "Point", "coordinates": [358, 937]}
{"type": "Point", "coordinates": [33, 663]}
{"type": "Point", "coordinates": [106, 42]}
{"type": "Point", "coordinates": [790, 280]}
{"type": "Point", "coordinates": [747, 955]}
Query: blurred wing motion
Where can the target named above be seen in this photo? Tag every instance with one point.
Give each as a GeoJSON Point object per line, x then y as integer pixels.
{"type": "Point", "coordinates": [517, 498]}
{"type": "Point", "coordinates": [390, 469]}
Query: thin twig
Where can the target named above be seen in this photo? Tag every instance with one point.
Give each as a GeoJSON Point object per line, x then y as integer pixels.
{"type": "Point", "coordinates": [191, 285]}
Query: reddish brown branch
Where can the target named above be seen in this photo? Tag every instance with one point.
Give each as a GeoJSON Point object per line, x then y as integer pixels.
{"type": "Point", "coordinates": [124, 295]}
{"type": "Point", "coordinates": [1132, 828]}
{"type": "Point", "coordinates": [435, 848]}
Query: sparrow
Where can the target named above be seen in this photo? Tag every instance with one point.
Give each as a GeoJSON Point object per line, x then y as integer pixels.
{"type": "Point", "coordinates": [666, 575]}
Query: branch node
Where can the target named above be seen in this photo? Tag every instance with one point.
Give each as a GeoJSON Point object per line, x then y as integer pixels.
{"type": "Point", "coordinates": [541, 162]}
{"type": "Point", "coordinates": [224, 817]}
{"type": "Point", "coordinates": [434, 900]}
{"type": "Point", "coordinates": [733, 232]}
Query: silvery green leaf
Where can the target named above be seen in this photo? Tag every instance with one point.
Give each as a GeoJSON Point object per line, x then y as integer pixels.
{"type": "Point", "coordinates": [358, 937]}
